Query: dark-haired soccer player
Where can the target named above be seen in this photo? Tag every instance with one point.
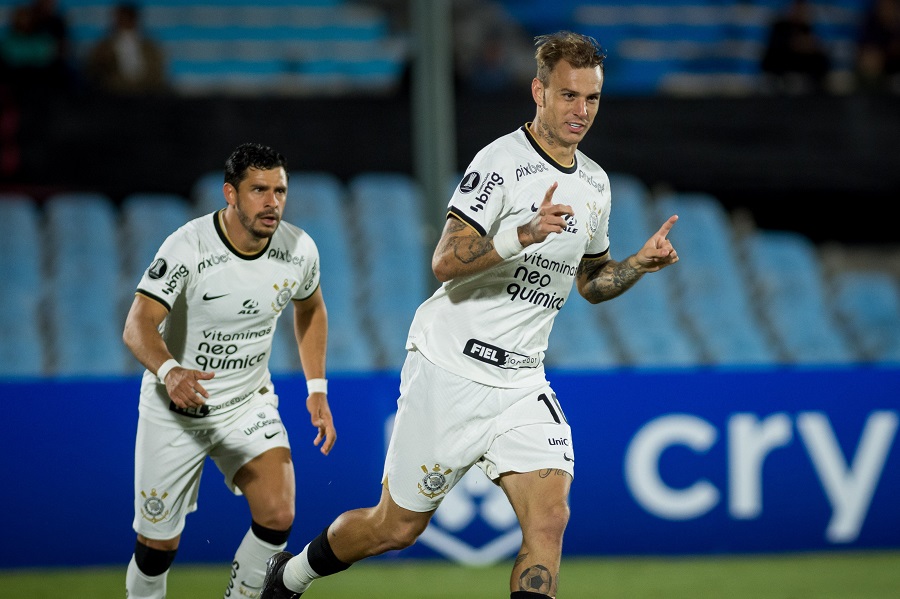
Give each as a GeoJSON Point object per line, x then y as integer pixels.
{"type": "Point", "coordinates": [202, 323]}
{"type": "Point", "coordinates": [529, 218]}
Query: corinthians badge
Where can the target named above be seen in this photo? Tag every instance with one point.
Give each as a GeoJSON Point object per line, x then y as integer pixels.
{"type": "Point", "coordinates": [284, 295]}
{"type": "Point", "coordinates": [154, 508]}
{"type": "Point", "coordinates": [434, 482]}
{"type": "Point", "coordinates": [593, 219]}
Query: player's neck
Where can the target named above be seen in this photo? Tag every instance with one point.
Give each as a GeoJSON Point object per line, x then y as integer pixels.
{"type": "Point", "coordinates": [564, 155]}
{"type": "Point", "coordinates": [238, 236]}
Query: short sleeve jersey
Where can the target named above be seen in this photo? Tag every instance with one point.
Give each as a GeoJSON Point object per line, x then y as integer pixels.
{"type": "Point", "coordinates": [493, 326]}
{"type": "Point", "coordinates": [223, 308]}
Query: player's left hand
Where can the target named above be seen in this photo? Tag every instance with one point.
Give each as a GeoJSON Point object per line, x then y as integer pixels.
{"type": "Point", "coordinates": [658, 252]}
{"type": "Point", "coordinates": [320, 417]}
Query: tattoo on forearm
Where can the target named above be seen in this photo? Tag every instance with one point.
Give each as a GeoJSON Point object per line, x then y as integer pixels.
{"type": "Point", "coordinates": [606, 280]}
{"type": "Point", "coordinates": [536, 579]}
{"type": "Point", "coordinates": [521, 558]}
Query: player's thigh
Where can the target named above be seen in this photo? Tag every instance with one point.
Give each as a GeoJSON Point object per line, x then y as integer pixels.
{"type": "Point", "coordinates": [168, 464]}
{"type": "Point", "coordinates": [441, 428]}
{"type": "Point", "coordinates": [257, 431]}
{"type": "Point", "coordinates": [539, 498]}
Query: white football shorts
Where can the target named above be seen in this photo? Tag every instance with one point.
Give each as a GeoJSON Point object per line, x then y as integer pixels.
{"type": "Point", "coordinates": [169, 462]}
{"type": "Point", "coordinates": [445, 424]}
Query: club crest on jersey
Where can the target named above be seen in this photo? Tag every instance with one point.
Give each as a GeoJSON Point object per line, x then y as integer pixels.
{"type": "Point", "coordinates": [593, 219]}
{"type": "Point", "coordinates": [285, 292]}
{"type": "Point", "coordinates": [154, 508]}
{"type": "Point", "coordinates": [434, 482]}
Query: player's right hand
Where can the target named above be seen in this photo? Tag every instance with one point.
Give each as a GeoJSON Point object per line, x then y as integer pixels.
{"type": "Point", "coordinates": [549, 217]}
{"type": "Point", "coordinates": [184, 387]}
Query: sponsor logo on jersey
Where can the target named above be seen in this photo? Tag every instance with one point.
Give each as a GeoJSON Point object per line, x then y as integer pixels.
{"type": "Point", "coordinates": [553, 441]}
{"type": "Point", "coordinates": [589, 179]}
{"type": "Point", "coordinates": [250, 306]}
{"type": "Point", "coordinates": [491, 181]}
{"type": "Point", "coordinates": [312, 275]}
{"type": "Point", "coordinates": [212, 260]}
{"type": "Point", "coordinates": [285, 256]}
{"type": "Point", "coordinates": [172, 283]}
{"type": "Point", "coordinates": [158, 269]}
{"type": "Point", "coordinates": [499, 357]}
{"type": "Point", "coordinates": [207, 297]}
{"type": "Point", "coordinates": [470, 182]}
{"type": "Point", "coordinates": [434, 482]}
{"type": "Point", "coordinates": [530, 169]}
{"type": "Point", "coordinates": [533, 276]}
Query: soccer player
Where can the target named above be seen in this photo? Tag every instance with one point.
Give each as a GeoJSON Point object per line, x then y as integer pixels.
{"type": "Point", "coordinates": [529, 218]}
{"type": "Point", "coordinates": [202, 323]}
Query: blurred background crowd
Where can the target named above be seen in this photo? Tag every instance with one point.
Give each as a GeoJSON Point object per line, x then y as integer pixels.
{"type": "Point", "coordinates": [771, 126]}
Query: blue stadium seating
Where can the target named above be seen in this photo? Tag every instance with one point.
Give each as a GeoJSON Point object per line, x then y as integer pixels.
{"type": "Point", "coordinates": [789, 286]}
{"type": "Point", "coordinates": [868, 305]}
{"type": "Point", "coordinates": [387, 208]}
{"type": "Point", "coordinates": [147, 219]}
{"type": "Point", "coordinates": [713, 295]}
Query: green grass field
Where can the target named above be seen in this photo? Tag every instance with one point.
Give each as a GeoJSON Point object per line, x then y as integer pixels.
{"type": "Point", "coordinates": [862, 575]}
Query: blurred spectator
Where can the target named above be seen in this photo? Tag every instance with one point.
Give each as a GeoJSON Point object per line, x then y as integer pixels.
{"type": "Point", "coordinates": [126, 61]}
{"type": "Point", "coordinates": [30, 56]}
{"type": "Point", "coordinates": [878, 53]}
{"type": "Point", "coordinates": [795, 59]}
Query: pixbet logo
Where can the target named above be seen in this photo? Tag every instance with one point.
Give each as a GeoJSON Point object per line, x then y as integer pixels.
{"type": "Point", "coordinates": [848, 487]}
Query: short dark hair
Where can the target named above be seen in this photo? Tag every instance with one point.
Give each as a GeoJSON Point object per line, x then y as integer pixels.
{"type": "Point", "coordinates": [580, 51]}
{"type": "Point", "coordinates": [251, 155]}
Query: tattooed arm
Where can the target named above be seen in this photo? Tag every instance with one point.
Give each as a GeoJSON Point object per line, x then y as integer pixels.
{"type": "Point", "coordinates": [599, 280]}
{"type": "Point", "coordinates": [463, 251]}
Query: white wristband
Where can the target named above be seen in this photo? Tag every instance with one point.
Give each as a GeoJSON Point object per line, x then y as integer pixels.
{"type": "Point", "coordinates": [165, 368]}
{"type": "Point", "coordinates": [507, 243]}
{"type": "Point", "coordinates": [317, 386]}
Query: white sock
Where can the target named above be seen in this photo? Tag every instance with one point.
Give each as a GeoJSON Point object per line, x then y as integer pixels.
{"type": "Point", "coordinates": [298, 574]}
{"type": "Point", "coordinates": [140, 586]}
{"type": "Point", "coordinates": [249, 566]}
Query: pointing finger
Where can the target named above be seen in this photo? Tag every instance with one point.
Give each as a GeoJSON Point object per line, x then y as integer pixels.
{"type": "Point", "coordinates": [548, 197]}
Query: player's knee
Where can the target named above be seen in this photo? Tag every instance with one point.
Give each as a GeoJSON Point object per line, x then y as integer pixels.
{"type": "Point", "coordinates": [151, 561]}
{"type": "Point", "coordinates": [548, 523]}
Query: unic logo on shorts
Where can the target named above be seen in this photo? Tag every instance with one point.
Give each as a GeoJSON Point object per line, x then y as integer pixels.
{"type": "Point", "coordinates": [154, 508]}
{"type": "Point", "coordinates": [434, 482]}
{"type": "Point", "coordinates": [284, 295]}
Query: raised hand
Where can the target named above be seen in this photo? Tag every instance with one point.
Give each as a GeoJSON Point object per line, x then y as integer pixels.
{"type": "Point", "coordinates": [658, 252]}
{"type": "Point", "coordinates": [549, 218]}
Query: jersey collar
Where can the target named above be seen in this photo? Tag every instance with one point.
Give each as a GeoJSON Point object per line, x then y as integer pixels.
{"type": "Point", "coordinates": [543, 153]}
{"type": "Point", "coordinates": [223, 235]}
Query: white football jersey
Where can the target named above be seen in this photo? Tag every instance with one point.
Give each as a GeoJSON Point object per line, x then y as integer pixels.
{"type": "Point", "coordinates": [493, 327]}
{"type": "Point", "coordinates": [223, 307]}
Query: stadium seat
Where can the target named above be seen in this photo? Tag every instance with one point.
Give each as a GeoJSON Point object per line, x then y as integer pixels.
{"type": "Point", "coordinates": [579, 339]}
{"type": "Point", "coordinates": [868, 305]}
{"type": "Point", "coordinates": [318, 203]}
{"type": "Point", "coordinates": [147, 219]}
{"type": "Point", "coordinates": [21, 250]}
{"type": "Point", "coordinates": [206, 193]}
{"type": "Point", "coordinates": [387, 210]}
{"type": "Point", "coordinates": [789, 287]}
{"type": "Point", "coordinates": [713, 294]}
